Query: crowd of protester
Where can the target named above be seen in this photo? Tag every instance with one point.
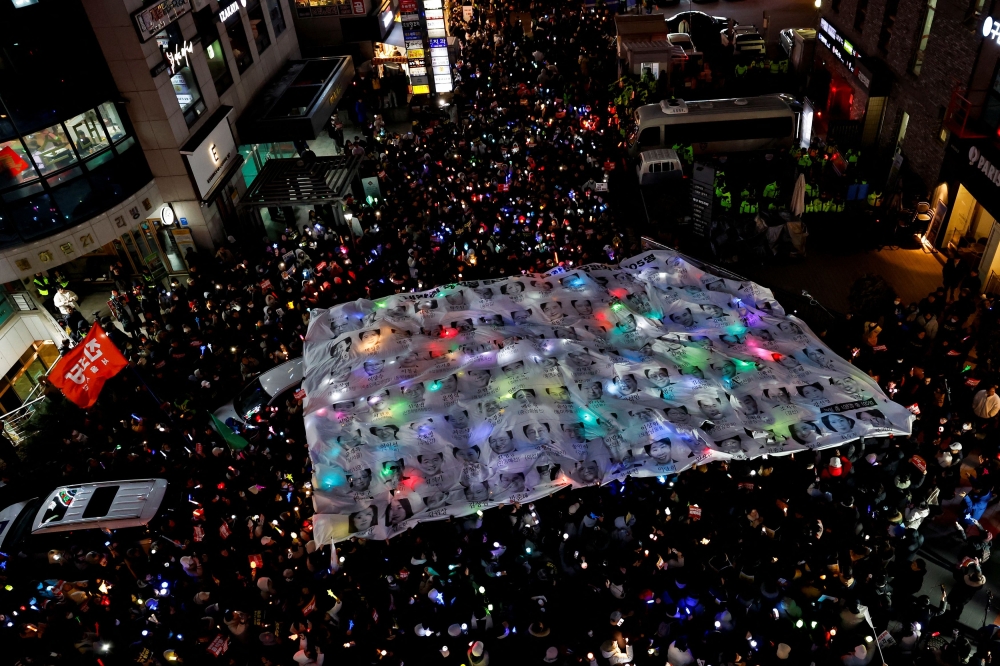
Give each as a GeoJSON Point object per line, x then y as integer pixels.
{"type": "Point", "coordinates": [783, 560]}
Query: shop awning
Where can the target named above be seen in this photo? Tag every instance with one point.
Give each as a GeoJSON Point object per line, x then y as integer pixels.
{"type": "Point", "coordinates": [298, 102]}
{"type": "Point", "coordinates": [297, 182]}
{"type": "Point", "coordinates": [395, 37]}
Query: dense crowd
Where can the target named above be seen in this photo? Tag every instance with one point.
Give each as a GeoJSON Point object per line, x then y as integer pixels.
{"type": "Point", "coordinates": [783, 560]}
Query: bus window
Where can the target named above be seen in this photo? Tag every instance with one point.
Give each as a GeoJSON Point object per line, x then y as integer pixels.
{"type": "Point", "coordinates": [649, 137]}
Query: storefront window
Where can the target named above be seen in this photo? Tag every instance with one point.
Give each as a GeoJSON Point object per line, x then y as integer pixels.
{"type": "Point", "coordinates": [177, 53]}
{"type": "Point", "coordinates": [277, 18]}
{"type": "Point", "coordinates": [15, 166]}
{"type": "Point", "coordinates": [85, 130]}
{"type": "Point", "coordinates": [238, 42]}
{"type": "Point", "coordinates": [112, 122]}
{"type": "Point", "coordinates": [50, 149]}
{"type": "Point", "coordinates": [256, 15]}
{"type": "Point", "coordinates": [218, 67]}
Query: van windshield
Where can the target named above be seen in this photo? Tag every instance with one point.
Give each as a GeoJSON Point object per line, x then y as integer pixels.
{"type": "Point", "coordinates": [251, 400]}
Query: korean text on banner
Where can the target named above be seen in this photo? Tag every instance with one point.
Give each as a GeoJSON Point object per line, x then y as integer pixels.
{"type": "Point", "coordinates": [81, 373]}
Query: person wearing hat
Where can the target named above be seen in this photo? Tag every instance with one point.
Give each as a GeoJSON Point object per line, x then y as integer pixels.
{"type": "Point", "coordinates": [478, 656]}
{"type": "Point", "coordinates": [965, 590]}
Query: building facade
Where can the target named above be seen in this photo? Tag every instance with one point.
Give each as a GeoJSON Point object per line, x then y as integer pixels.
{"type": "Point", "coordinates": [892, 67]}
{"type": "Point", "coordinates": [135, 157]}
{"type": "Point", "coordinates": [969, 184]}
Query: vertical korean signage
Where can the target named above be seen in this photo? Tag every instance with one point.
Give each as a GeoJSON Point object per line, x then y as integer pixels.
{"type": "Point", "coordinates": [425, 40]}
{"type": "Point", "coordinates": [413, 39]}
{"type": "Point", "coordinates": [438, 38]}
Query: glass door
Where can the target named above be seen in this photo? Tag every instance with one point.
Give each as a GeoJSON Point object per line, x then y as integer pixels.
{"type": "Point", "coordinates": [146, 241]}
{"type": "Point", "coordinates": [134, 256]}
{"type": "Point", "coordinates": [122, 255]}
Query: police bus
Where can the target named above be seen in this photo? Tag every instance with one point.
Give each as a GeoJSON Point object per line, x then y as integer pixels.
{"type": "Point", "coordinates": [714, 126]}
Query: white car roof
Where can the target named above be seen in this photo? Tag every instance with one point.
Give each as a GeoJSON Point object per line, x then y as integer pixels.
{"type": "Point", "coordinates": [276, 380]}
{"type": "Point", "coordinates": [134, 503]}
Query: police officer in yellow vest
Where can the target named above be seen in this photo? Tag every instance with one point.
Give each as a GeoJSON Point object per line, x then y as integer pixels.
{"type": "Point", "coordinates": [44, 288]}
{"type": "Point", "coordinates": [726, 201]}
{"type": "Point", "coordinates": [741, 70]}
{"type": "Point", "coordinates": [771, 190]}
{"type": "Point", "coordinates": [783, 66]}
{"type": "Point", "coordinates": [775, 67]}
{"type": "Point", "coordinates": [874, 199]}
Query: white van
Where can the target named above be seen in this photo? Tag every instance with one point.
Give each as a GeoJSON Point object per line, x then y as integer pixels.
{"type": "Point", "coordinates": [108, 505]}
{"type": "Point", "coordinates": [657, 166]}
{"type": "Point", "coordinates": [263, 391]}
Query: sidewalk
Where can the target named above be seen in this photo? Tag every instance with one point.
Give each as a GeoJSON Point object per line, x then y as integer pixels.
{"type": "Point", "coordinates": [828, 274]}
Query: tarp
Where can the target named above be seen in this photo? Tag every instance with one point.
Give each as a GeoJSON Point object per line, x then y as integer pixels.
{"type": "Point", "coordinates": [450, 401]}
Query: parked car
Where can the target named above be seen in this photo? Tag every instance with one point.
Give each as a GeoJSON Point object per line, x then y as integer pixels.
{"type": "Point", "coordinates": [727, 39]}
{"type": "Point", "coordinates": [787, 38]}
{"type": "Point", "coordinates": [701, 26]}
{"type": "Point", "coordinates": [749, 43]}
{"type": "Point", "coordinates": [107, 505]}
{"type": "Point", "coordinates": [263, 391]}
{"type": "Point", "coordinates": [683, 40]}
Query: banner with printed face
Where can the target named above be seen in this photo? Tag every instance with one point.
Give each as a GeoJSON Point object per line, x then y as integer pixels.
{"type": "Point", "coordinates": [446, 402]}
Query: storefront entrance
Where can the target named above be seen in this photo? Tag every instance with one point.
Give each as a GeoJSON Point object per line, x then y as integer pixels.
{"type": "Point", "coordinates": [150, 245]}
{"type": "Point", "coordinates": [972, 225]}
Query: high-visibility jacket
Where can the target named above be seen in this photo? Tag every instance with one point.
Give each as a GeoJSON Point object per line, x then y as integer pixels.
{"type": "Point", "coordinates": [852, 157]}
{"type": "Point", "coordinates": [771, 190]}
{"type": "Point", "coordinates": [811, 191]}
{"type": "Point", "coordinates": [775, 67]}
{"type": "Point", "coordinates": [783, 66]}
{"type": "Point", "coordinates": [805, 161]}
{"type": "Point", "coordinates": [726, 200]}
{"type": "Point", "coordinates": [838, 206]}
{"type": "Point", "coordinates": [874, 199]}
{"type": "Point", "coordinates": [741, 70]}
{"type": "Point", "coordinates": [63, 281]}
{"type": "Point", "coordinates": [43, 285]}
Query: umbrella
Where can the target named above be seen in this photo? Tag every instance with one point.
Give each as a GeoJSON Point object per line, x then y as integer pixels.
{"type": "Point", "coordinates": [798, 204]}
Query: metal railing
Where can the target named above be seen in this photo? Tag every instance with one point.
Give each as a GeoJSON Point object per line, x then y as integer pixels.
{"type": "Point", "coordinates": [15, 422]}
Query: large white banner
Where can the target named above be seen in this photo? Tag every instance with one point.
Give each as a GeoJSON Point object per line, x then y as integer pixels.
{"type": "Point", "coordinates": [443, 403]}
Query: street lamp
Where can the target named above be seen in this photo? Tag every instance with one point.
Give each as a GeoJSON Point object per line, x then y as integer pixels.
{"type": "Point", "coordinates": [818, 4]}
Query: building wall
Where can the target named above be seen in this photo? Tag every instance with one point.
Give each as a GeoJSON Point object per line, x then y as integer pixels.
{"type": "Point", "coordinates": [18, 332]}
{"type": "Point", "coordinates": [49, 253]}
{"type": "Point", "coordinates": [949, 58]}
{"type": "Point", "coordinates": [153, 108]}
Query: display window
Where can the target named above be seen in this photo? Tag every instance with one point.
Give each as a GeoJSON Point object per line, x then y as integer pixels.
{"type": "Point", "coordinates": [277, 17]}
{"type": "Point", "coordinates": [87, 134]}
{"type": "Point", "coordinates": [50, 149]}
{"type": "Point", "coordinates": [177, 53]}
{"type": "Point", "coordinates": [112, 121]}
{"type": "Point", "coordinates": [238, 42]}
{"type": "Point", "coordinates": [15, 165]}
{"type": "Point", "coordinates": [215, 55]}
{"type": "Point", "coordinates": [257, 25]}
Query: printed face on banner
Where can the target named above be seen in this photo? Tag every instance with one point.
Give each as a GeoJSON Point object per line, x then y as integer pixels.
{"type": "Point", "coordinates": [449, 401]}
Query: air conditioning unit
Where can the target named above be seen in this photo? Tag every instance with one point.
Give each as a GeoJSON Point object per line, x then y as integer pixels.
{"type": "Point", "coordinates": [673, 106]}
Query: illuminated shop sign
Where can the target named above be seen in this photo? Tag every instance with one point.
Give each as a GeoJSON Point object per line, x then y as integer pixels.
{"type": "Point", "coordinates": [151, 20]}
{"type": "Point", "coordinates": [228, 11]}
{"type": "Point", "coordinates": [844, 50]}
{"type": "Point", "coordinates": [991, 29]}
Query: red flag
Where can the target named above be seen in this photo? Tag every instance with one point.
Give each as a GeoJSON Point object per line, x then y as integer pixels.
{"type": "Point", "coordinates": [81, 373]}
